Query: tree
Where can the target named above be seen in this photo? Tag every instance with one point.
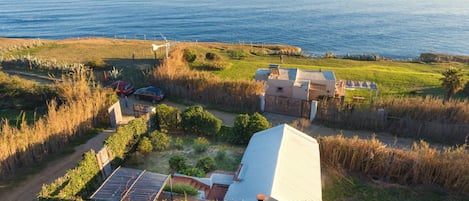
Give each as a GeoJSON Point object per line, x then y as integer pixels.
{"type": "Point", "coordinates": [452, 81]}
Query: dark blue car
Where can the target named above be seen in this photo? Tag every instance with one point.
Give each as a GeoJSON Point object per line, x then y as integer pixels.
{"type": "Point", "coordinates": [151, 93]}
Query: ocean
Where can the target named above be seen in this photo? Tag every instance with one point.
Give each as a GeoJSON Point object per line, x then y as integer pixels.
{"type": "Point", "coordinates": [398, 29]}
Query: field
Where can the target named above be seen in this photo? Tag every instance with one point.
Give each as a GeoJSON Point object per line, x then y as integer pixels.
{"type": "Point", "coordinates": [396, 78]}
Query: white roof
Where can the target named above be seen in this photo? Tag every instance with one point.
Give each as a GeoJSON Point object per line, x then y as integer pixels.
{"type": "Point", "coordinates": [282, 163]}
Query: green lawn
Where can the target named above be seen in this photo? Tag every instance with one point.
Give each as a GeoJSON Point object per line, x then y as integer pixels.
{"type": "Point", "coordinates": [394, 78]}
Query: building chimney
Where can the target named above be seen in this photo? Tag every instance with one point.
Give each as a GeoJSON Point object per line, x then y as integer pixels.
{"type": "Point", "coordinates": [261, 197]}
{"type": "Point", "coordinates": [274, 69]}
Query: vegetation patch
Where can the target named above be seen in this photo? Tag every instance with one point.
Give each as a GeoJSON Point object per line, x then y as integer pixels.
{"type": "Point", "coordinates": [182, 189]}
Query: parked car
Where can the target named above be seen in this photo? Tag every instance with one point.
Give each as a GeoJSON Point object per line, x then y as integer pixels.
{"type": "Point", "coordinates": [150, 93]}
{"type": "Point", "coordinates": [122, 88]}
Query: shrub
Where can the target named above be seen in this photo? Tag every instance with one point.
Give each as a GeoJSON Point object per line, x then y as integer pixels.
{"type": "Point", "coordinates": [193, 171]}
{"type": "Point", "coordinates": [183, 189]}
{"type": "Point", "coordinates": [177, 163]}
{"type": "Point", "coordinates": [166, 117]}
{"type": "Point", "coordinates": [178, 143]}
{"type": "Point", "coordinates": [238, 54]}
{"type": "Point", "coordinates": [145, 146]}
{"type": "Point", "coordinates": [214, 65]}
{"type": "Point", "coordinates": [189, 55]}
{"type": "Point", "coordinates": [96, 63]}
{"type": "Point", "coordinates": [198, 121]}
{"type": "Point", "coordinates": [212, 56]}
{"type": "Point", "coordinates": [206, 164]}
{"type": "Point", "coordinates": [160, 140]}
{"type": "Point", "coordinates": [221, 155]}
{"type": "Point", "coordinates": [245, 126]}
{"type": "Point", "coordinates": [257, 122]}
{"type": "Point", "coordinates": [201, 144]}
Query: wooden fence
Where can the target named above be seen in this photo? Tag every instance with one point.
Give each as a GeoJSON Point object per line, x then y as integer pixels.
{"type": "Point", "coordinates": [288, 106]}
{"type": "Point", "coordinates": [402, 126]}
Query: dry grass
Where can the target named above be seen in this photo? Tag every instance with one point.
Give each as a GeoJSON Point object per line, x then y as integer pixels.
{"type": "Point", "coordinates": [175, 76]}
{"type": "Point", "coordinates": [422, 165]}
{"type": "Point", "coordinates": [27, 145]}
{"type": "Point", "coordinates": [417, 118]}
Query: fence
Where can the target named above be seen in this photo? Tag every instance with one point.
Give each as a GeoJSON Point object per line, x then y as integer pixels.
{"type": "Point", "coordinates": [402, 126]}
{"type": "Point", "coordinates": [288, 106]}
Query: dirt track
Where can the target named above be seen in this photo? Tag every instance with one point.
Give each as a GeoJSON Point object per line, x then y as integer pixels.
{"type": "Point", "coordinates": [28, 189]}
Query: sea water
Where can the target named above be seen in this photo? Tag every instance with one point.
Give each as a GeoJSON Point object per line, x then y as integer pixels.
{"type": "Point", "coordinates": [391, 28]}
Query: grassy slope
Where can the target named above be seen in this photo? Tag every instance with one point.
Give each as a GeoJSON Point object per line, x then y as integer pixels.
{"type": "Point", "coordinates": [392, 77]}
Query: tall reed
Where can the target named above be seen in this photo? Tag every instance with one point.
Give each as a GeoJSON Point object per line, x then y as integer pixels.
{"type": "Point", "coordinates": [419, 118]}
{"type": "Point", "coordinates": [24, 146]}
{"type": "Point", "coordinates": [421, 165]}
{"type": "Point", "coordinates": [178, 80]}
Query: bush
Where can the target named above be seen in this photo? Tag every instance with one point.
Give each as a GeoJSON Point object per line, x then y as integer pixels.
{"type": "Point", "coordinates": [160, 140]}
{"type": "Point", "coordinates": [257, 122]}
{"type": "Point", "coordinates": [245, 126]}
{"type": "Point", "coordinates": [212, 56]}
{"type": "Point", "coordinates": [96, 63]}
{"type": "Point", "coordinates": [178, 143]}
{"type": "Point", "coordinates": [238, 54]}
{"type": "Point", "coordinates": [166, 117]}
{"type": "Point", "coordinates": [221, 155]}
{"type": "Point", "coordinates": [183, 189]}
{"type": "Point", "coordinates": [193, 171]}
{"type": "Point", "coordinates": [177, 163]}
{"type": "Point", "coordinates": [206, 164]}
{"type": "Point", "coordinates": [189, 55]}
{"type": "Point", "coordinates": [201, 144]}
{"type": "Point", "coordinates": [214, 65]}
{"type": "Point", "coordinates": [145, 146]}
{"type": "Point", "coordinates": [199, 121]}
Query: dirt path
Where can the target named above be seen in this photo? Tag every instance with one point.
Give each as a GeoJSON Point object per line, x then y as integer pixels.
{"type": "Point", "coordinates": [30, 187]}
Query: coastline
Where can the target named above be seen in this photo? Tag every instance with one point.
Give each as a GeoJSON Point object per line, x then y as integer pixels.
{"type": "Point", "coordinates": [9, 42]}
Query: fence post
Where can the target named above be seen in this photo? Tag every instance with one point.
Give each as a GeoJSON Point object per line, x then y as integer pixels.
{"type": "Point", "coordinates": [314, 108]}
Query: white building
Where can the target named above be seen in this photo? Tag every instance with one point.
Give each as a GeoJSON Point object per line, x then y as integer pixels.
{"type": "Point", "coordinates": [281, 163]}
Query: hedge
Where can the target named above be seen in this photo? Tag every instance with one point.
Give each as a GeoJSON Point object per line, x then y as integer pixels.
{"type": "Point", "coordinates": [77, 183]}
{"type": "Point", "coordinates": [81, 181]}
{"type": "Point", "coordinates": [125, 139]}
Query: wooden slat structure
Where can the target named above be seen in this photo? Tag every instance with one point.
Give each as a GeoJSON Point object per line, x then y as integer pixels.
{"type": "Point", "coordinates": [288, 106]}
{"type": "Point", "coordinates": [131, 185]}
